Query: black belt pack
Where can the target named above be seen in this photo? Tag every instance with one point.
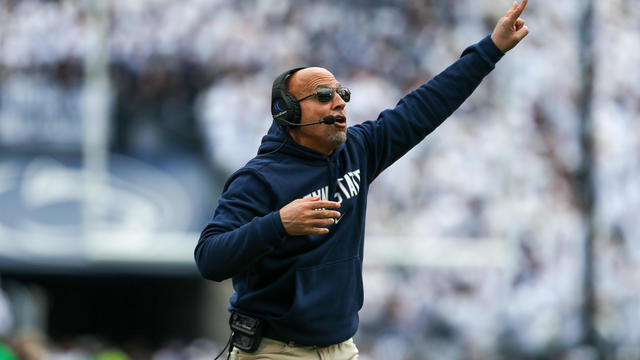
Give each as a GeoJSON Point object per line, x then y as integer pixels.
{"type": "Point", "coordinates": [246, 331]}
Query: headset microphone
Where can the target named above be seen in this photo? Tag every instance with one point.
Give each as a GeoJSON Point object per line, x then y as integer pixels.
{"type": "Point", "coordinates": [329, 119]}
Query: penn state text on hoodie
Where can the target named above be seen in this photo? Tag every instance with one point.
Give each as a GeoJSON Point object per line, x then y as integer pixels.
{"type": "Point", "coordinates": [309, 288]}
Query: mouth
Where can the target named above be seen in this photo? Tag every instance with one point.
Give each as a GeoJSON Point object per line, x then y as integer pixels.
{"type": "Point", "coordinates": [341, 121]}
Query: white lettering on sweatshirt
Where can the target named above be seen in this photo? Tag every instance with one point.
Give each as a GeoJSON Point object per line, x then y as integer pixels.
{"type": "Point", "coordinates": [348, 187]}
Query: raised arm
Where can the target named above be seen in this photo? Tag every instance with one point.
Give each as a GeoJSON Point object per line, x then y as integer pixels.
{"type": "Point", "coordinates": [417, 114]}
{"type": "Point", "coordinates": [510, 29]}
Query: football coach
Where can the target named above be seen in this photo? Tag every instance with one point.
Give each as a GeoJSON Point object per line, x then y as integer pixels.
{"type": "Point", "coordinates": [289, 226]}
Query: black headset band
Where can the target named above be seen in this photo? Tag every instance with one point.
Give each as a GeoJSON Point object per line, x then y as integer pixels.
{"type": "Point", "coordinates": [280, 83]}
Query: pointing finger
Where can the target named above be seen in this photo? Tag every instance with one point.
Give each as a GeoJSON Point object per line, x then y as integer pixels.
{"type": "Point", "coordinates": [511, 10]}
{"type": "Point", "coordinates": [516, 14]}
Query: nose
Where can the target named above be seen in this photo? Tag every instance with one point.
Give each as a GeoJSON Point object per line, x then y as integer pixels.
{"type": "Point", "coordinates": [337, 102]}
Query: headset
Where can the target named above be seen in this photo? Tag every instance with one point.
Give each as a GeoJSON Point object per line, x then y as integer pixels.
{"type": "Point", "coordinates": [285, 109]}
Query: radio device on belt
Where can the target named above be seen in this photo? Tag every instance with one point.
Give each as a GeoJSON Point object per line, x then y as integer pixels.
{"type": "Point", "coordinates": [247, 331]}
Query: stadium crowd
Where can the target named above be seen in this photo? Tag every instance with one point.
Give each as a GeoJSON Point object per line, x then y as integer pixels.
{"type": "Point", "coordinates": [198, 73]}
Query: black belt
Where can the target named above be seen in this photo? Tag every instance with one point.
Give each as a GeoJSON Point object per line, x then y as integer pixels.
{"type": "Point", "coordinates": [268, 332]}
{"type": "Point", "coordinates": [271, 334]}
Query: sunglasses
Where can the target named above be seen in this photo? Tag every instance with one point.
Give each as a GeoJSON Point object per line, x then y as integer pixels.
{"type": "Point", "coordinates": [326, 94]}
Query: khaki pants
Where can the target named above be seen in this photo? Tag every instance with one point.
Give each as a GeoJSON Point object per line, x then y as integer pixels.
{"type": "Point", "coordinates": [270, 349]}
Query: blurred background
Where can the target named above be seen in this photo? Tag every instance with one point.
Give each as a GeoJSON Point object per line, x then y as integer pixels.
{"type": "Point", "coordinates": [509, 233]}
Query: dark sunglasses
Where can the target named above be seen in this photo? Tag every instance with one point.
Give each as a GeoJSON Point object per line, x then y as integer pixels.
{"type": "Point", "coordinates": [326, 94]}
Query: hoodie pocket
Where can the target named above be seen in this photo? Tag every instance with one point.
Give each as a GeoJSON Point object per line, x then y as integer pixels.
{"type": "Point", "coordinates": [327, 296]}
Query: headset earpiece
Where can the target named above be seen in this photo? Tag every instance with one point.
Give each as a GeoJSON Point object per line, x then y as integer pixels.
{"type": "Point", "coordinates": [285, 109]}
{"type": "Point", "coordinates": [294, 111]}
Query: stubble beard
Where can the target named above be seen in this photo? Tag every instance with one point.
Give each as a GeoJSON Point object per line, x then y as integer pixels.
{"type": "Point", "coordinates": [337, 138]}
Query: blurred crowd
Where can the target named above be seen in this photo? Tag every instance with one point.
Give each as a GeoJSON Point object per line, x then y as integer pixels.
{"type": "Point", "coordinates": [32, 346]}
{"type": "Point", "coordinates": [197, 74]}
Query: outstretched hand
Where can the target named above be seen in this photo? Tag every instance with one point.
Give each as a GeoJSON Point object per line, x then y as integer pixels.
{"type": "Point", "coordinates": [309, 216]}
{"type": "Point", "coordinates": [510, 29]}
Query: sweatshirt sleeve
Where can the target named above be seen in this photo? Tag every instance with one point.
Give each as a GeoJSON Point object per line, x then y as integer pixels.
{"type": "Point", "coordinates": [244, 228]}
{"type": "Point", "coordinates": [417, 114]}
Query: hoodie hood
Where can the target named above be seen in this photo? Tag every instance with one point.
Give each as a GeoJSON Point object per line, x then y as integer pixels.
{"type": "Point", "coordinates": [273, 139]}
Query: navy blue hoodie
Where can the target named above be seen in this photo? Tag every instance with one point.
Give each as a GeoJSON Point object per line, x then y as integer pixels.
{"type": "Point", "coordinates": [309, 288]}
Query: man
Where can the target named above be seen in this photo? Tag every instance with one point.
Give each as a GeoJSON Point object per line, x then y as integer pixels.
{"type": "Point", "coordinates": [289, 227]}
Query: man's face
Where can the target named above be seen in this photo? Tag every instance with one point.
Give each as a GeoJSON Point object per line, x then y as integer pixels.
{"type": "Point", "coordinates": [321, 137]}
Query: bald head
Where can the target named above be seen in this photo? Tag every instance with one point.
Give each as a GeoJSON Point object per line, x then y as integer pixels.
{"type": "Point", "coordinates": [307, 80]}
